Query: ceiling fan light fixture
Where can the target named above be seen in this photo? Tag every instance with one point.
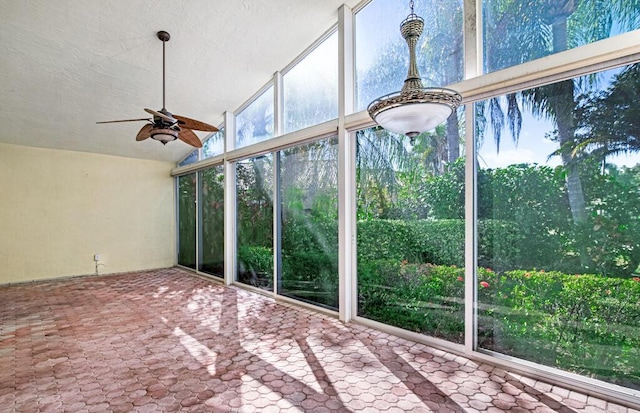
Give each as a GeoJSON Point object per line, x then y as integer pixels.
{"type": "Point", "coordinates": [414, 109]}
{"type": "Point", "coordinates": [164, 135]}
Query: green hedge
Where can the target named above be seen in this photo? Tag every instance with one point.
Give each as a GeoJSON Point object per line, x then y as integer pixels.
{"type": "Point", "coordinates": [502, 245]}
{"type": "Point", "coordinates": [583, 323]}
{"type": "Point", "coordinates": [425, 298]}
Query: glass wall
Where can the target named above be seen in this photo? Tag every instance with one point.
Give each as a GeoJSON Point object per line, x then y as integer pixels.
{"type": "Point", "coordinates": [382, 54]}
{"type": "Point", "coordinates": [516, 32]}
{"type": "Point", "coordinates": [309, 201]}
{"type": "Point", "coordinates": [193, 157]}
{"type": "Point", "coordinates": [211, 214]}
{"type": "Point", "coordinates": [214, 145]}
{"type": "Point", "coordinates": [559, 226]}
{"type": "Point", "coordinates": [411, 232]}
{"type": "Point", "coordinates": [557, 185]}
{"type": "Point", "coordinates": [254, 188]}
{"type": "Point", "coordinates": [255, 123]}
{"type": "Point", "coordinates": [187, 220]}
{"type": "Point", "coordinates": [311, 88]}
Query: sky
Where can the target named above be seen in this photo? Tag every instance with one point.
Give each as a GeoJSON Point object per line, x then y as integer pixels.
{"type": "Point", "coordinates": [533, 146]}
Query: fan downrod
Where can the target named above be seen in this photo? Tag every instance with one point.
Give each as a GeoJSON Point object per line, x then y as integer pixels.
{"type": "Point", "coordinates": [164, 36]}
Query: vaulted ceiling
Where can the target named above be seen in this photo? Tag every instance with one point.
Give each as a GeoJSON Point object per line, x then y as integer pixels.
{"type": "Point", "coordinates": [66, 64]}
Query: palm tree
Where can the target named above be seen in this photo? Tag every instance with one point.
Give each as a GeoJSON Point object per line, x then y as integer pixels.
{"type": "Point", "coordinates": [609, 121]}
{"type": "Point", "coordinates": [442, 53]}
{"type": "Point", "coordinates": [379, 157]}
{"type": "Point", "coordinates": [550, 26]}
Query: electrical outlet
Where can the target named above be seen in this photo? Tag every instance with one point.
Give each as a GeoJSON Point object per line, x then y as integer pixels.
{"type": "Point", "coordinates": [96, 257]}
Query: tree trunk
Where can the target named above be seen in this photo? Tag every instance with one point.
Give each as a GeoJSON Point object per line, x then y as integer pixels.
{"type": "Point", "coordinates": [453, 138]}
{"type": "Point", "coordinates": [562, 103]}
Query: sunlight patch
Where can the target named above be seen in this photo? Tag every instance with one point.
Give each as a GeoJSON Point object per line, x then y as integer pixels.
{"type": "Point", "coordinates": [203, 354]}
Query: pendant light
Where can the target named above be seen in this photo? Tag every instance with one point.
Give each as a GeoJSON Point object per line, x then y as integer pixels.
{"type": "Point", "coordinates": [416, 108]}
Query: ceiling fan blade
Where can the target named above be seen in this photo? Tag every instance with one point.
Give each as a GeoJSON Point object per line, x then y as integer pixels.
{"type": "Point", "coordinates": [187, 136]}
{"type": "Point", "coordinates": [194, 124]}
{"type": "Point", "coordinates": [145, 132]}
{"type": "Point", "coordinates": [160, 114]}
{"type": "Point", "coordinates": [125, 120]}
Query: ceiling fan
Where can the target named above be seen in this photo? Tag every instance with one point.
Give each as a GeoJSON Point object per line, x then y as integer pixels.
{"type": "Point", "coordinates": [165, 126]}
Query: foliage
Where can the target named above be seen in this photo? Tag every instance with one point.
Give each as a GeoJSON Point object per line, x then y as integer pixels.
{"type": "Point", "coordinates": [524, 219]}
{"type": "Point", "coordinates": [187, 221]}
{"type": "Point", "coordinates": [311, 276]}
{"type": "Point", "coordinates": [611, 237]}
{"type": "Point", "coordinates": [379, 157]}
{"type": "Point", "coordinates": [255, 207]}
{"type": "Point", "coordinates": [610, 125]}
{"type": "Point", "coordinates": [212, 217]}
{"type": "Point", "coordinates": [444, 194]}
{"type": "Point", "coordinates": [502, 244]}
{"type": "Point", "coordinates": [255, 266]}
{"type": "Point", "coordinates": [418, 297]}
{"type": "Point", "coordinates": [582, 323]}
{"type": "Point", "coordinates": [518, 32]}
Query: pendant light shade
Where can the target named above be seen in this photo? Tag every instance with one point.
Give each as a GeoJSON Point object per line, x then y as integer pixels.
{"type": "Point", "coordinates": [414, 109]}
{"type": "Point", "coordinates": [164, 135]}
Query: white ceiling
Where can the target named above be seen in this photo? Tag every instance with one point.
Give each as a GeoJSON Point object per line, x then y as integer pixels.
{"type": "Point", "coordinates": [66, 64]}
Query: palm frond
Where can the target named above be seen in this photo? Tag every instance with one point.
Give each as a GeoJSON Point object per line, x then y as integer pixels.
{"type": "Point", "coordinates": [514, 117]}
{"type": "Point", "coordinates": [497, 121]}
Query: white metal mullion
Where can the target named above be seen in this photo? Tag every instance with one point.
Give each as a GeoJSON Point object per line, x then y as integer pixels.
{"type": "Point", "coordinates": [278, 105]}
{"type": "Point", "coordinates": [278, 129]}
{"type": "Point", "coordinates": [470, 226]}
{"type": "Point", "coordinates": [230, 238]}
{"type": "Point", "coordinates": [198, 227]}
{"type": "Point", "coordinates": [346, 167]}
{"type": "Point", "coordinates": [277, 223]}
{"type": "Point", "coordinates": [176, 197]}
{"type": "Point", "coordinates": [472, 68]}
{"type": "Point", "coordinates": [472, 38]}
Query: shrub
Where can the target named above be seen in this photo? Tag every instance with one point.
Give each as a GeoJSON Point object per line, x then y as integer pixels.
{"type": "Point", "coordinates": [439, 242]}
{"type": "Point", "coordinates": [386, 240]}
{"type": "Point", "coordinates": [583, 323]}
{"type": "Point", "coordinates": [418, 297]}
{"type": "Point", "coordinates": [502, 245]}
{"type": "Point", "coordinates": [311, 276]}
{"type": "Point", "coordinates": [256, 258]}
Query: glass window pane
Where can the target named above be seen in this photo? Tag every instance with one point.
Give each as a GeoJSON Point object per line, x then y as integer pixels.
{"type": "Point", "coordinates": [211, 203]}
{"type": "Point", "coordinates": [214, 145]}
{"type": "Point", "coordinates": [382, 55]}
{"type": "Point", "coordinates": [187, 220]}
{"type": "Point", "coordinates": [516, 32]}
{"type": "Point", "coordinates": [559, 225]}
{"type": "Point", "coordinates": [410, 229]}
{"type": "Point", "coordinates": [311, 88]}
{"type": "Point", "coordinates": [193, 157]}
{"type": "Point", "coordinates": [255, 123]}
{"type": "Point", "coordinates": [309, 195]}
{"type": "Point", "coordinates": [254, 186]}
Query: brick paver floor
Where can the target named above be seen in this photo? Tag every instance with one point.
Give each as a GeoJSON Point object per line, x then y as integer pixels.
{"type": "Point", "coordinates": [165, 340]}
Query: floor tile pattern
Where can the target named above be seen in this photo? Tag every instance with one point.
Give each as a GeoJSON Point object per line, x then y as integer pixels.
{"type": "Point", "coordinates": [165, 340]}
